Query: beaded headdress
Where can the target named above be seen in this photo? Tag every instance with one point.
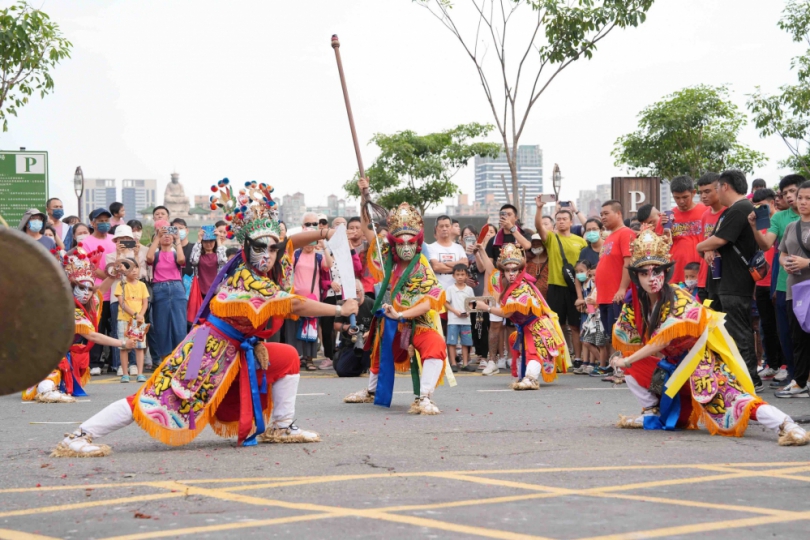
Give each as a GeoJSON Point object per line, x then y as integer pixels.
{"type": "Point", "coordinates": [405, 219]}
{"type": "Point", "coordinates": [649, 248]}
{"type": "Point", "coordinates": [511, 254]}
{"type": "Point", "coordinates": [251, 214]}
{"type": "Point", "coordinates": [78, 264]}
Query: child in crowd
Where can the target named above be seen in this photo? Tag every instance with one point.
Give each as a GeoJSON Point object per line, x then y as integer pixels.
{"type": "Point", "coordinates": [231, 252]}
{"type": "Point", "coordinates": [591, 333]}
{"type": "Point", "coordinates": [690, 279]}
{"type": "Point", "coordinates": [458, 320]}
{"type": "Point", "coordinates": [133, 300]}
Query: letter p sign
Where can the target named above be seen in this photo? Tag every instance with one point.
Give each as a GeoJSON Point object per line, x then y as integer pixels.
{"type": "Point", "coordinates": [30, 163]}
{"type": "Point", "coordinates": [636, 199]}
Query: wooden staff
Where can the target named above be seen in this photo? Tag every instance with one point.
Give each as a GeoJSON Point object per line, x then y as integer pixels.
{"type": "Point", "coordinates": [368, 208]}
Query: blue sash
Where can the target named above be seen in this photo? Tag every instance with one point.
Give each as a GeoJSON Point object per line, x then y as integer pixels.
{"type": "Point", "coordinates": [520, 346]}
{"type": "Point", "coordinates": [670, 408]}
{"type": "Point", "coordinates": [385, 379]}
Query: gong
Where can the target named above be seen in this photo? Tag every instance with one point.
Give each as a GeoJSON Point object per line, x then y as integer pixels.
{"type": "Point", "coordinates": [36, 312]}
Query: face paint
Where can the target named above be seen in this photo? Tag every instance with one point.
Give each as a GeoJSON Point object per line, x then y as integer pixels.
{"type": "Point", "coordinates": [656, 283]}
{"type": "Point", "coordinates": [511, 273]}
{"type": "Point", "coordinates": [262, 257]}
{"type": "Point", "coordinates": [82, 293]}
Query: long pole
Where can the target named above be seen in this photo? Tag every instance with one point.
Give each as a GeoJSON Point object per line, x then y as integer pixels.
{"type": "Point", "coordinates": [364, 195]}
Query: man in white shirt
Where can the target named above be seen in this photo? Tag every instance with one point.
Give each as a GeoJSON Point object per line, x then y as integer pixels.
{"type": "Point", "coordinates": [444, 255]}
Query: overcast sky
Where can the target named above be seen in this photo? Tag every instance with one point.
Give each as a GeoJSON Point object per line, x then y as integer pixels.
{"type": "Point", "coordinates": [250, 90]}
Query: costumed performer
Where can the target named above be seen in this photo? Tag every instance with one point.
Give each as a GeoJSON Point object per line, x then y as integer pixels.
{"type": "Point", "coordinates": [538, 342]}
{"type": "Point", "coordinates": [700, 377]}
{"type": "Point", "coordinates": [66, 382]}
{"type": "Point", "coordinates": [222, 374]}
{"type": "Point", "coordinates": [406, 313]}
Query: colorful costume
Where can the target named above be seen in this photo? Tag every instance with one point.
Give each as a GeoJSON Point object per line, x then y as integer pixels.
{"type": "Point", "coordinates": [701, 378]}
{"type": "Point", "coordinates": [405, 285]}
{"type": "Point", "coordinates": [222, 374]}
{"type": "Point", "coordinates": [538, 345]}
{"type": "Point", "coordinates": [66, 382]}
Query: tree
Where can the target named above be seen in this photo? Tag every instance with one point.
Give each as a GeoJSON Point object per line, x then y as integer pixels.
{"type": "Point", "coordinates": [787, 113]}
{"type": "Point", "coordinates": [558, 32]}
{"type": "Point", "coordinates": [419, 168]}
{"type": "Point", "coordinates": [30, 46]}
{"type": "Point", "coordinates": [689, 132]}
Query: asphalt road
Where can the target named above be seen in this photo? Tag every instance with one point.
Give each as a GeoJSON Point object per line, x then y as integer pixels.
{"type": "Point", "coordinates": [495, 464]}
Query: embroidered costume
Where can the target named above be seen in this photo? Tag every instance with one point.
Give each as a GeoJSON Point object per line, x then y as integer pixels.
{"type": "Point", "coordinates": [222, 374]}
{"type": "Point", "coordinates": [700, 377]}
{"type": "Point", "coordinates": [538, 345]}
{"type": "Point", "coordinates": [66, 382]}
{"type": "Point", "coordinates": [407, 281]}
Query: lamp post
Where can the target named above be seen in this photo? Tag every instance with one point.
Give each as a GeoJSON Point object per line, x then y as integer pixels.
{"type": "Point", "coordinates": [78, 187]}
{"type": "Point", "coordinates": [556, 181]}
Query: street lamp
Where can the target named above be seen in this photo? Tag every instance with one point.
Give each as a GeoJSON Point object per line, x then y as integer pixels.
{"type": "Point", "coordinates": [556, 181]}
{"type": "Point", "coordinates": [78, 187]}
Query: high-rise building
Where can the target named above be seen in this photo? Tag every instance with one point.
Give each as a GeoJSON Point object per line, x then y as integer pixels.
{"type": "Point", "coordinates": [137, 195]}
{"type": "Point", "coordinates": [98, 193]}
{"type": "Point", "coordinates": [488, 173]}
{"type": "Point", "coordinates": [292, 209]}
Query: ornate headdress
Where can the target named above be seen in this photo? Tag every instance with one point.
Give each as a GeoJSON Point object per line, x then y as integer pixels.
{"type": "Point", "coordinates": [405, 219]}
{"type": "Point", "coordinates": [511, 254]}
{"type": "Point", "coordinates": [251, 214]}
{"type": "Point", "coordinates": [78, 264]}
{"type": "Point", "coordinates": [649, 248]}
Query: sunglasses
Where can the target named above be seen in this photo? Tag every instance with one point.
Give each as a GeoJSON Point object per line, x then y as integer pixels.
{"type": "Point", "coordinates": [657, 271]}
{"type": "Point", "coordinates": [322, 222]}
{"type": "Point", "coordinates": [311, 224]}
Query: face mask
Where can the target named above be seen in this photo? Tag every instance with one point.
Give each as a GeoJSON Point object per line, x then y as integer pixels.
{"type": "Point", "coordinates": [690, 283]}
{"type": "Point", "coordinates": [261, 260]}
{"type": "Point", "coordinates": [58, 213]}
{"type": "Point", "coordinates": [406, 251]}
{"type": "Point", "coordinates": [182, 233]}
{"type": "Point", "coordinates": [582, 276]}
{"type": "Point", "coordinates": [35, 225]}
{"type": "Point", "coordinates": [605, 234]}
{"type": "Point", "coordinates": [592, 236]}
{"type": "Point", "coordinates": [537, 250]}
{"type": "Point", "coordinates": [81, 294]}
{"type": "Point", "coordinates": [137, 236]}
{"type": "Point", "coordinates": [81, 237]}
{"type": "Point", "coordinates": [103, 227]}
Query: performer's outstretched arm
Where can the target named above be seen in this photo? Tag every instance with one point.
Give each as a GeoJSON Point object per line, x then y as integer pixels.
{"type": "Point", "coordinates": [644, 352]}
{"type": "Point", "coordinates": [308, 308]}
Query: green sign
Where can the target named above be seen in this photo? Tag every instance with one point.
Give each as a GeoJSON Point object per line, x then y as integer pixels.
{"type": "Point", "coordinates": [23, 183]}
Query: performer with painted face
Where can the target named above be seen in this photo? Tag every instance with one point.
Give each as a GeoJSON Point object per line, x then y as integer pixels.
{"type": "Point", "coordinates": [221, 374]}
{"type": "Point", "coordinates": [700, 377]}
{"type": "Point", "coordinates": [66, 382]}
{"type": "Point", "coordinates": [406, 314]}
{"type": "Point", "coordinates": [538, 344]}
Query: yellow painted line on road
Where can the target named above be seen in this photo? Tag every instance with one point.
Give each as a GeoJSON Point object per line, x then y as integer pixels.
{"type": "Point", "coordinates": [7, 534]}
{"type": "Point", "coordinates": [89, 504]}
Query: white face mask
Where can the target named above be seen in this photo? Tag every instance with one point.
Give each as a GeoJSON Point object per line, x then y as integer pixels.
{"type": "Point", "coordinates": [690, 282]}
{"type": "Point", "coordinates": [537, 250]}
{"type": "Point", "coordinates": [137, 235]}
{"type": "Point", "coordinates": [81, 237]}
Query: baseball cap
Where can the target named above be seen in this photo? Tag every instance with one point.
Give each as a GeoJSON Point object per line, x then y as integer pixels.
{"type": "Point", "coordinates": [536, 236]}
{"type": "Point", "coordinates": [99, 212]}
{"type": "Point", "coordinates": [323, 217]}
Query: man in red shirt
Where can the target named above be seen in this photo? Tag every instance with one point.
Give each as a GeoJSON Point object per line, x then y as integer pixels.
{"type": "Point", "coordinates": [612, 278]}
{"type": "Point", "coordinates": [686, 226]}
{"type": "Point", "coordinates": [707, 186]}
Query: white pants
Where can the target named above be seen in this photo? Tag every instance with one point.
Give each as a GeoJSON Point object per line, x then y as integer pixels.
{"type": "Point", "coordinates": [431, 371]}
{"type": "Point", "coordinates": [533, 369]}
{"type": "Point", "coordinates": [644, 396]}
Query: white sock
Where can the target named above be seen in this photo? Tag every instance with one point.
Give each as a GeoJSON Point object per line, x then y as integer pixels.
{"type": "Point", "coordinates": [644, 396]}
{"type": "Point", "coordinates": [113, 417]}
{"type": "Point", "coordinates": [533, 369]}
{"type": "Point", "coordinates": [771, 417]}
{"type": "Point", "coordinates": [372, 382]}
{"type": "Point", "coordinates": [284, 391]}
{"type": "Point", "coordinates": [431, 371]}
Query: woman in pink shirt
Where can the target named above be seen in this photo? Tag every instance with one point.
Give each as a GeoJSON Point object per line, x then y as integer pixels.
{"type": "Point", "coordinates": [166, 258]}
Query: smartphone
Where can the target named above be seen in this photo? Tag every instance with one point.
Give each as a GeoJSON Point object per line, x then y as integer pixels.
{"type": "Point", "coordinates": [469, 240]}
{"type": "Point", "coordinates": [565, 204]}
{"type": "Point", "coordinates": [670, 216]}
{"type": "Point", "coordinates": [129, 244]}
{"type": "Point", "coordinates": [171, 230]}
{"type": "Point", "coordinates": [763, 213]}
{"type": "Point", "coordinates": [546, 198]}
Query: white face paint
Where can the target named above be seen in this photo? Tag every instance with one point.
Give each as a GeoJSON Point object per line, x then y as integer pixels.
{"type": "Point", "coordinates": [407, 249]}
{"type": "Point", "coordinates": [511, 272]}
{"type": "Point", "coordinates": [262, 258]}
{"type": "Point", "coordinates": [82, 293]}
{"type": "Point", "coordinates": [651, 279]}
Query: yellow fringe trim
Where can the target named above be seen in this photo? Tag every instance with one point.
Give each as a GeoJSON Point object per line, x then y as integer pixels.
{"type": "Point", "coordinates": [549, 377]}
{"type": "Point", "coordinates": [679, 330]}
{"type": "Point", "coordinates": [737, 430]}
{"type": "Point", "coordinates": [625, 348]}
{"type": "Point", "coordinates": [179, 437]}
{"type": "Point", "coordinates": [436, 304]}
{"type": "Point", "coordinates": [514, 307]}
{"type": "Point", "coordinates": [83, 329]}
{"type": "Point", "coordinates": [271, 308]}
{"type": "Point", "coordinates": [85, 378]}
{"type": "Point", "coordinates": [229, 430]}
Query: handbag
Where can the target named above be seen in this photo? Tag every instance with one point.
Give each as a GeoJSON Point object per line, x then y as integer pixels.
{"type": "Point", "coordinates": [801, 291]}
{"type": "Point", "coordinates": [569, 274]}
{"type": "Point", "coordinates": [757, 266]}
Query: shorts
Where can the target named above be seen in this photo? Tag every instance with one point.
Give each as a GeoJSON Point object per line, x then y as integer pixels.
{"type": "Point", "coordinates": [454, 331]}
{"type": "Point", "coordinates": [494, 318]}
{"type": "Point", "coordinates": [561, 301]}
{"type": "Point", "coordinates": [122, 331]}
{"type": "Point", "coordinates": [609, 313]}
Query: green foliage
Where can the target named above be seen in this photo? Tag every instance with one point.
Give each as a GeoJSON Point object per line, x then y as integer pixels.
{"type": "Point", "coordinates": [419, 168]}
{"type": "Point", "coordinates": [787, 113]}
{"type": "Point", "coordinates": [689, 132]}
{"type": "Point", "coordinates": [30, 46]}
